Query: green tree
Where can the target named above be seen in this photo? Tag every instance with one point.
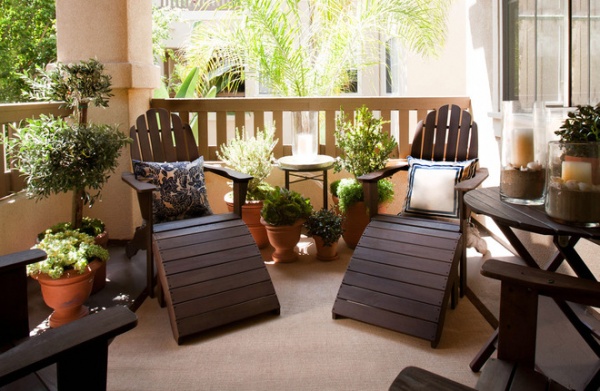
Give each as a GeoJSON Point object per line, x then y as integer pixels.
{"type": "Point", "coordinates": [27, 40]}
{"type": "Point", "coordinates": [308, 47]}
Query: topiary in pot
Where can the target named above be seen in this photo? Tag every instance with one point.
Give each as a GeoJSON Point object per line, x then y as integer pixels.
{"type": "Point", "coordinates": [364, 148]}
{"type": "Point", "coordinates": [56, 156]}
{"type": "Point", "coordinates": [283, 213]}
{"type": "Point", "coordinates": [59, 155]}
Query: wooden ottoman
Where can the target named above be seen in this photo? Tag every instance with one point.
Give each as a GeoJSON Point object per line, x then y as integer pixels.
{"type": "Point", "coordinates": [212, 273]}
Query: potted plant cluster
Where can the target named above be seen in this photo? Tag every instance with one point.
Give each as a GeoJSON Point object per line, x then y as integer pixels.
{"type": "Point", "coordinates": [251, 155]}
{"type": "Point", "coordinates": [283, 214]}
{"type": "Point", "coordinates": [59, 155]}
{"type": "Point", "coordinates": [325, 227]}
{"type": "Point", "coordinates": [574, 169]}
{"type": "Point", "coordinates": [66, 276]}
{"type": "Point", "coordinates": [364, 148]}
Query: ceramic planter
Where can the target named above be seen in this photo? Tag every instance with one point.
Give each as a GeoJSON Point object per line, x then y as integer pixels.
{"type": "Point", "coordinates": [67, 294]}
{"type": "Point", "coordinates": [251, 216]}
{"type": "Point", "coordinates": [325, 253]}
{"type": "Point", "coordinates": [284, 238]}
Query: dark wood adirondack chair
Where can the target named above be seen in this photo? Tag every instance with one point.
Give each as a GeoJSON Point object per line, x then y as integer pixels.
{"type": "Point", "coordinates": [210, 256]}
{"type": "Point", "coordinates": [79, 349]}
{"type": "Point", "coordinates": [514, 368]}
{"type": "Point", "coordinates": [405, 268]}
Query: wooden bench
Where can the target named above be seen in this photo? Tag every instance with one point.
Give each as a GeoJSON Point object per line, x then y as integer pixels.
{"type": "Point", "coordinates": [79, 349]}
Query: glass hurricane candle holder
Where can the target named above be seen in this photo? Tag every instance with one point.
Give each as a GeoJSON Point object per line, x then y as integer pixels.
{"type": "Point", "coordinates": [523, 173]}
{"type": "Point", "coordinates": [574, 183]}
{"type": "Point", "coordinates": [305, 140]}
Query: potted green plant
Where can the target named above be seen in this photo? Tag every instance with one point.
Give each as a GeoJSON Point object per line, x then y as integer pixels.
{"type": "Point", "coordinates": [364, 148]}
{"type": "Point", "coordinates": [67, 154]}
{"type": "Point", "coordinates": [573, 184]}
{"type": "Point", "coordinates": [58, 155]}
{"type": "Point", "coordinates": [325, 227]}
{"type": "Point", "coordinates": [95, 228]}
{"type": "Point", "coordinates": [283, 214]}
{"type": "Point", "coordinates": [252, 155]}
{"type": "Point", "coordinates": [66, 275]}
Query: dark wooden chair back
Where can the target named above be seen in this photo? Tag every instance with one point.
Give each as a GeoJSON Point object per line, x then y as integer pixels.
{"type": "Point", "coordinates": [159, 136]}
{"type": "Point", "coordinates": [447, 134]}
{"type": "Point", "coordinates": [79, 349]}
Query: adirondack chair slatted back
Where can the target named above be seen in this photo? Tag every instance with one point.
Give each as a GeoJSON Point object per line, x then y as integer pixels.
{"type": "Point", "coordinates": [162, 137]}
{"type": "Point", "coordinates": [448, 134]}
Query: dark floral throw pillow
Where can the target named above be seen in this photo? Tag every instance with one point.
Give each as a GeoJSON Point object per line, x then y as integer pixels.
{"type": "Point", "coordinates": [182, 189]}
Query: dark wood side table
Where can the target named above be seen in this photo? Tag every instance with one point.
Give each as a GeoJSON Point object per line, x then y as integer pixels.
{"type": "Point", "coordinates": [508, 217]}
{"type": "Point", "coordinates": [304, 171]}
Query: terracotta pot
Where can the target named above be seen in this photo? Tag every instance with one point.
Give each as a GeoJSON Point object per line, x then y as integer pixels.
{"type": "Point", "coordinates": [325, 253]}
{"type": "Point", "coordinates": [251, 216]}
{"type": "Point", "coordinates": [100, 276]}
{"type": "Point", "coordinates": [284, 238]}
{"type": "Point", "coordinates": [66, 295]}
{"type": "Point", "coordinates": [356, 220]}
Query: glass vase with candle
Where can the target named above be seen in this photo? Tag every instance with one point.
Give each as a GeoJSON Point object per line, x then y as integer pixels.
{"type": "Point", "coordinates": [523, 174]}
{"type": "Point", "coordinates": [573, 195]}
{"type": "Point", "coordinates": [305, 139]}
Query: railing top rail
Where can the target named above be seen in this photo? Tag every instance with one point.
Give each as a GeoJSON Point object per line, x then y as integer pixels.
{"type": "Point", "coordinates": [15, 112]}
{"type": "Point", "coordinates": [308, 103]}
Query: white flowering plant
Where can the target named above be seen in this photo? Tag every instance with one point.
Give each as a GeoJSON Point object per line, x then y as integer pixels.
{"type": "Point", "coordinates": [251, 155]}
{"type": "Point", "coordinates": [67, 250]}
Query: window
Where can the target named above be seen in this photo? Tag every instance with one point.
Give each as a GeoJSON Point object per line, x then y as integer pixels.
{"type": "Point", "coordinates": [547, 51]}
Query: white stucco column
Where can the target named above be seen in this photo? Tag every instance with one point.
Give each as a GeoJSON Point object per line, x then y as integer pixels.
{"type": "Point", "coordinates": [117, 33]}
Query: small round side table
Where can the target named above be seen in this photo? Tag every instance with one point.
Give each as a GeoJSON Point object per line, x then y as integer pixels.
{"type": "Point", "coordinates": [295, 168]}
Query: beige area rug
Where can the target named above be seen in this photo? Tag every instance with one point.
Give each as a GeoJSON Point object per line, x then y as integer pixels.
{"type": "Point", "coordinates": [302, 349]}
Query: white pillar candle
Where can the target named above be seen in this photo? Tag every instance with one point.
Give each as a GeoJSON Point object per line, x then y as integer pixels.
{"type": "Point", "coordinates": [577, 171]}
{"type": "Point", "coordinates": [304, 144]}
{"type": "Point", "coordinates": [522, 147]}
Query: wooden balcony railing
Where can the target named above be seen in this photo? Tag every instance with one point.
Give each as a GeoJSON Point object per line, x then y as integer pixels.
{"type": "Point", "coordinates": [12, 116]}
{"type": "Point", "coordinates": [218, 118]}
{"type": "Point", "coordinates": [193, 5]}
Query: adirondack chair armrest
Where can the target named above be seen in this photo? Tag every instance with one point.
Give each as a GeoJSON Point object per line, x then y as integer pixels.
{"type": "Point", "coordinates": [228, 173]}
{"type": "Point", "coordinates": [546, 283]}
{"type": "Point", "coordinates": [76, 348]}
{"type": "Point", "coordinates": [240, 184]}
{"type": "Point", "coordinates": [139, 186]}
{"type": "Point", "coordinates": [473, 183]}
{"type": "Point", "coordinates": [375, 176]}
{"type": "Point", "coordinates": [21, 258]}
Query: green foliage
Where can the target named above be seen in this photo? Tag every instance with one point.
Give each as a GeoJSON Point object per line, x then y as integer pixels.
{"type": "Point", "coordinates": [56, 156]}
{"type": "Point", "coordinates": [350, 190]}
{"type": "Point", "coordinates": [307, 48]}
{"type": "Point", "coordinates": [363, 145]}
{"type": "Point", "coordinates": [67, 250]}
{"type": "Point", "coordinates": [76, 84]}
{"type": "Point", "coordinates": [284, 207]}
{"type": "Point", "coordinates": [27, 41]}
{"type": "Point", "coordinates": [582, 125]}
{"type": "Point", "coordinates": [162, 17]}
{"type": "Point", "coordinates": [251, 155]}
{"type": "Point", "coordinates": [325, 223]}
{"type": "Point", "coordinates": [89, 226]}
